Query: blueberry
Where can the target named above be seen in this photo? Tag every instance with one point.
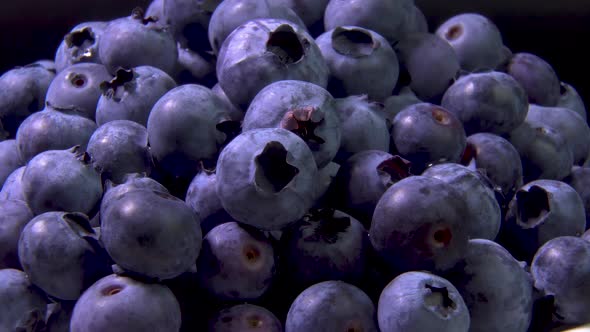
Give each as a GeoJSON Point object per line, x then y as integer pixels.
{"type": "Point", "coordinates": [567, 123]}
{"type": "Point", "coordinates": [264, 51]}
{"type": "Point", "coordinates": [266, 178]}
{"type": "Point", "coordinates": [543, 151]}
{"type": "Point", "coordinates": [9, 159]}
{"type": "Point", "coordinates": [21, 303]}
{"type": "Point", "coordinates": [360, 61]}
{"type": "Point", "coordinates": [187, 125]}
{"type": "Point", "coordinates": [76, 89]}
{"type": "Point", "coordinates": [540, 211]}
{"type": "Point", "coordinates": [237, 262]}
{"type": "Point", "coordinates": [433, 239]}
{"type": "Point", "coordinates": [476, 40]}
{"type": "Point", "coordinates": [120, 147]}
{"type": "Point", "coordinates": [12, 188]}
{"type": "Point", "coordinates": [304, 108]}
{"type": "Point", "coordinates": [579, 179]}
{"type": "Point", "coordinates": [235, 113]}
{"type": "Point", "coordinates": [15, 215]}
{"type": "Point", "coordinates": [310, 11]}
{"type": "Point", "coordinates": [363, 178]}
{"type": "Point", "coordinates": [22, 92]}
{"type": "Point", "coordinates": [202, 197]}
{"type": "Point", "coordinates": [194, 68]}
{"type": "Point", "coordinates": [62, 180]}
{"type": "Point", "coordinates": [384, 17]}
{"type": "Point", "coordinates": [60, 252]}
{"type": "Point", "coordinates": [131, 94]}
{"type": "Point", "coordinates": [52, 130]}
{"type": "Point", "coordinates": [501, 303]}
{"type": "Point", "coordinates": [561, 268]}
{"type": "Point", "coordinates": [135, 41]}
{"type": "Point", "coordinates": [189, 20]}
{"type": "Point", "coordinates": [420, 301]}
{"type": "Point", "coordinates": [537, 77]}
{"type": "Point", "coordinates": [363, 126]}
{"type": "Point", "coordinates": [570, 98]}
{"type": "Point", "coordinates": [396, 103]}
{"type": "Point", "coordinates": [414, 22]}
{"type": "Point", "coordinates": [116, 303]}
{"type": "Point", "coordinates": [484, 211]}
{"type": "Point", "coordinates": [245, 317]}
{"type": "Point", "coordinates": [427, 134]}
{"type": "Point", "coordinates": [80, 45]}
{"type": "Point", "coordinates": [230, 14]}
{"type": "Point", "coordinates": [331, 306]}
{"type": "Point", "coordinates": [113, 191]}
{"type": "Point", "coordinates": [430, 62]}
{"type": "Point", "coordinates": [487, 102]}
{"type": "Point", "coordinates": [497, 159]}
{"type": "Point", "coordinates": [151, 233]}
{"type": "Point", "coordinates": [155, 9]}
{"type": "Point", "coordinates": [325, 245]}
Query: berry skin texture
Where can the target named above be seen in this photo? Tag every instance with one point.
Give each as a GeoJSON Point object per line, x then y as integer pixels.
{"type": "Point", "coordinates": [14, 218]}
{"type": "Point", "coordinates": [264, 51]}
{"type": "Point", "coordinates": [483, 209]}
{"type": "Point", "coordinates": [121, 304]}
{"type": "Point", "coordinates": [427, 134]}
{"type": "Point", "coordinates": [331, 306]}
{"type": "Point", "coordinates": [361, 62]}
{"type": "Point", "coordinates": [384, 17]}
{"type": "Point", "coordinates": [52, 130]}
{"type": "Point", "coordinates": [503, 302]}
{"type": "Point", "coordinates": [431, 63]}
{"type": "Point", "coordinates": [245, 317]}
{"type": "Point", "coordinates": [133, 41]}
{"type": "Point", "coordinates": [237, 263]}
{"type": "Point", "coordinates": [12, 189]}
{"type": "Point", "coordinates": [487, 102]}
{"type": "Point", "coordinates": [76, 89]}
{"type": "Point", "coordinates": [420, 301]}
{"type": "Point", "coordinates": [540, 211]}
{"type": "Point", "coordinates": [433, 239]}
{"type": "Point", "coordinates": [537, 77]}
{"type": "Point", "coordinates": [266, 178]}
{"type": "Point", "coordinates": [151, 233]}
{"type": "Point", "coordinates": [579, 179]}
{"type": "Point", "coordinates": [476, 40]}
{"type": "Point", "coordinates": [22, 92]}
{"type": "Point", "coordinates": [9, 159]}
{"type": "Point", "coordinates": [561, 267]}
{"type": "Point", "coordinates": [570, 98]}
{"type": "Point", "coordinates": [498, 159]}
{"type": "Point", "coordinates": [62, 180]}
{"type": "Point", "coordinates": [60, 252]}
{"type": "Point", "coordinates": [22, 305]}
{"type": "Point", "coordinates": [131, 94]}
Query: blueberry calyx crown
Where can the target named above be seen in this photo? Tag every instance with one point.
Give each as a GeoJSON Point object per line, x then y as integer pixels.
{"type": "Point", "coordinates": [329, 226]}
{"type": "Point", "coordinates": [439, 298]}
{"type": "Point", "coordinates": [301, 122]}
{"type": "Point", "coordinates": [353, 42]}
{"type": "Point", "coordinates": [533, 206]}
{"type": "Point", "coordinates": [113, 89]}
{"type": "Point", "coordinates": [393, 170]}
{"type": "Point", "coordinates": [273, 172]}
{"type": "Point", "coordinates": [139, 14]}
{"type": "Point", "coordinates": [81, 41]}
{"type": "Point", "coordinates": [285, 44]}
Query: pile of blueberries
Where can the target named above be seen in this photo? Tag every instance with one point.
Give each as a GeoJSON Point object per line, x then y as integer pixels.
{"type": "Point", "coordinates": [296, 165]}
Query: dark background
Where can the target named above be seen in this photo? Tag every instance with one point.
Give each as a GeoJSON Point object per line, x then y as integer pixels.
{"type": "Point", "coordinates": [557, 30]}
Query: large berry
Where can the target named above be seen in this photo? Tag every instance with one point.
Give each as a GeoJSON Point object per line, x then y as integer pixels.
{"type": "Point", "coordinates": [121, 304]}
{"type": "Point", "coordinates": [80, 45]}
{"type": "Point", "coordinates": [537, 78]}
{"type": "Point", "coordinates": [61, 254]}
{"type": "Point", "coordinates": [266, 178]}
{"type": "Point", "coordinates": [303, 108]}
{"type": "Point", "coordinates": [263, 51]}
{"type": "Point", "coordinates": [433, 239]}
{"type": "Point", "coordinates": [420, 301]}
